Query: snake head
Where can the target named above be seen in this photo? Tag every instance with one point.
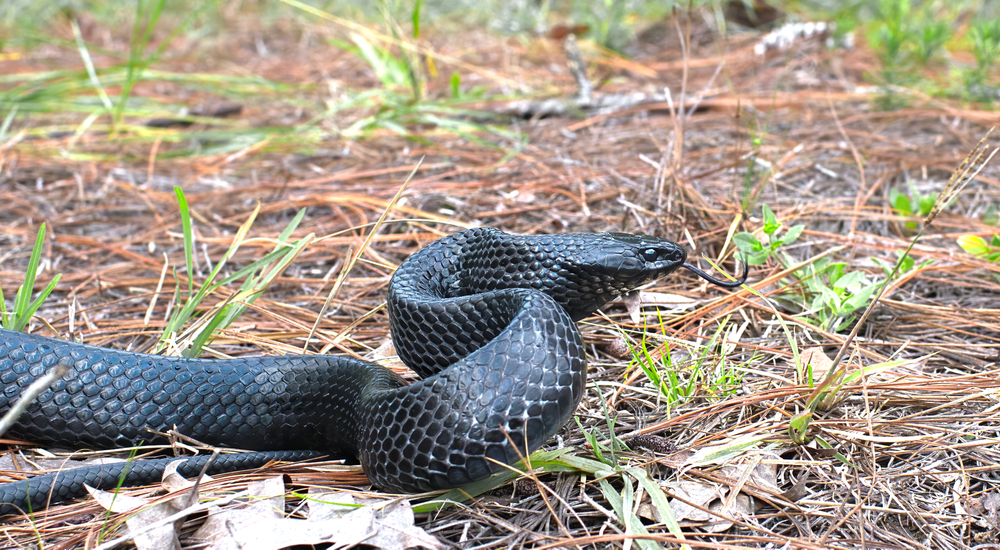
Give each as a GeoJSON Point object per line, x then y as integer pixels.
{"type": "Point", "coordinates": [636, 259]}
{"type": "Point", "coordinates": [596, 268]}
{"type": "Point", "coordinates": [612, 264]}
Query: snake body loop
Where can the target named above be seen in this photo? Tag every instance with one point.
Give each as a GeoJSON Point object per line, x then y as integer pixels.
{"type": "Point", "coordinates": [486, 318]}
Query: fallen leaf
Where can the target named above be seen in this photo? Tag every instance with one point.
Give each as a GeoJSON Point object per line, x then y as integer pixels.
{"type": "Point", "coordinates": [325, 504]}
{"type": "Point", "coordinates": [986, 507]}
{"type": "Point", "coordinates": [820, 361]}
{"type": "Point", "coordinates": [396, 529]}
{"type": "Point", "coordinates": [764, 475]}
{"type": "Point", "coordinates": [172, 481]}
{"type": "Point", "coordinates": [260, 526]}
{"type": "Point", "coordinates": [672, 302]}
{"type": "Point", "coordinates": [116, 502]}
{"type": "Point", "coordinates": [163, 537]}
{"type": "Point", "coordinates": [699, 503]}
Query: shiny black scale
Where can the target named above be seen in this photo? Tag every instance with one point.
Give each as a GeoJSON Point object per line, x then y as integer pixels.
{"type": "Point", "coordinates": [486, 318]}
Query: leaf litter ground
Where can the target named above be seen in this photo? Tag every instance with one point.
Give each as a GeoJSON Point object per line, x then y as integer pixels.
{"type": "Point", "coordinates": [906, 458]}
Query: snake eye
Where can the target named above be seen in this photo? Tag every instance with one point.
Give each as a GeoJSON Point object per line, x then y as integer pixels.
{"type": "Point", "coordinates": [649, 255]}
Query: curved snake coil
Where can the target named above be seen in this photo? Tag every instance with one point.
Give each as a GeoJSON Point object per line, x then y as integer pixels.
{"type": "Point", "coordinates": [486, 319]}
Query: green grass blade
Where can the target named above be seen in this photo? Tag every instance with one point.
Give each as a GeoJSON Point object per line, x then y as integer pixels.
{"type": "Point", "coordinates": [23, 298]}
{"type": "Point", "coordinates": [622, 503]}
{"type": "Point", "coordinates": [4, 320]}
{"type": "Point", "coordinates": [7, 122]}
{"type": "Point", "coordinates": [33, 306]}
{"type": "Point", "coordinates": [292, 226]}
{"type": "Point", "coordinates": [136, 65]}
{"type": "Point", "coordinates": [659, 500]}
{"type": "Point", "coordinates": [24, 307]}
{"type": "Point", "coordinates": [81, 46]}
{"type": "Point", "coordinates": [416, 18]}
{"type": "Point", "coordinates": [194, 350]}
{"type": "Point", "coordinates": [257, 278]}
{"type": "Point", "coordinates": [185, 212]}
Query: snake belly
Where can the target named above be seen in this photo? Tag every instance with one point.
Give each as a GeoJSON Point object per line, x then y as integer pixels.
{"type": "Point", "coordinates": [486, 318]}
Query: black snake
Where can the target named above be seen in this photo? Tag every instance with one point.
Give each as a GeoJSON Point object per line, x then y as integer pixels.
{"type": "Point", "coordinates": [486, 319]}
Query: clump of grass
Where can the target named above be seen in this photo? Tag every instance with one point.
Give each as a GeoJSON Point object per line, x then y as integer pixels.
{"type": "Point", "coordinates": [905, 40]}
{"type": "Point", "coordinates": [985, 35]}
{"type": "Point", "coordinates": [256, 278]}
{"type": "Point", "coordinates": [826, 292]}
{"type": "Point", "coordinates": [88, 95]}
{"type": "Point", "coordinates": [757, 250]}
{"type": "Point", "coordinates": [24, 307]}
{"type": "Point", "coordinates": [706, 374]}
{"type": "Point", "coordinates": [400, 105]}
{"type": "Point", "coordinates": [914, 205]}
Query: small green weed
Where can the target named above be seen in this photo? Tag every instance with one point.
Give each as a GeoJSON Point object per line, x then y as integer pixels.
{"type": "Point", "coordinates": [981, 248]}
{"type": "Point", "coordinates": [908, 37]}
{"type": "Point", "coordinates": [623, 501]}
{"type": "Point", "coordinates": [837, 293]}
{"type": "Point", "coordinates": [832, 294]}
{"type": "Point", "coordinates": [612, 447]}
{"type": "Point", "coordinates": [757, 251]}
{"type": "Point", "coordinates": [914, 205]}
{"type": "Point", "coordinates": [890, 39]}
{"type": "Point", "coordinates": [826, 392]}
{"type": "Point", "coordinates": [615, 446]}
{"type": "Point", "coordinates": [663, 374]}
{"type": "Point", "coordinates": [400, 105]}
{"type": "Point", "coordinates": [610, 21]}
{"type": "Point", "coordinates": [906, 264]}
{"type": "Point", "coordinates": [992, 215]}
{"type": "Point", "coordinates": [931, 37]}
{"type": "Point", "coordinates": [24, 307]}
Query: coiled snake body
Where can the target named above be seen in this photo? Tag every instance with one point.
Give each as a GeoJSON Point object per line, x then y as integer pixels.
{"type": "Point", "coordinates": [486, 319]}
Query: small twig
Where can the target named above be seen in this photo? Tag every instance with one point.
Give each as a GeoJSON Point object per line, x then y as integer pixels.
{"type": "Point", "coordinates": [584, 88]}
{"type": "Point", "coordinates": [192, 497]}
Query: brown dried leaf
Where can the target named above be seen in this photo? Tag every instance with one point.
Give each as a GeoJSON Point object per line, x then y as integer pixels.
{"type": "Point", "coordinates": [763, 476]}
{"type": "Point", "coordinates": [820, 361]}
{"type": "Point", "coordinates": [116, 502]}
{"type": "Point", "coordinates": [163, 537]}
{"type": "Point", "coordinates": [261, 525]}
{"type": "Point", "coordinates": [692, 500]}
{"type": "Point", "coordinates": [672, 302]}
{"type": "Point", "coordinates": [172, 481]}
{"type": "Point", "coordinates": [986, 507]}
